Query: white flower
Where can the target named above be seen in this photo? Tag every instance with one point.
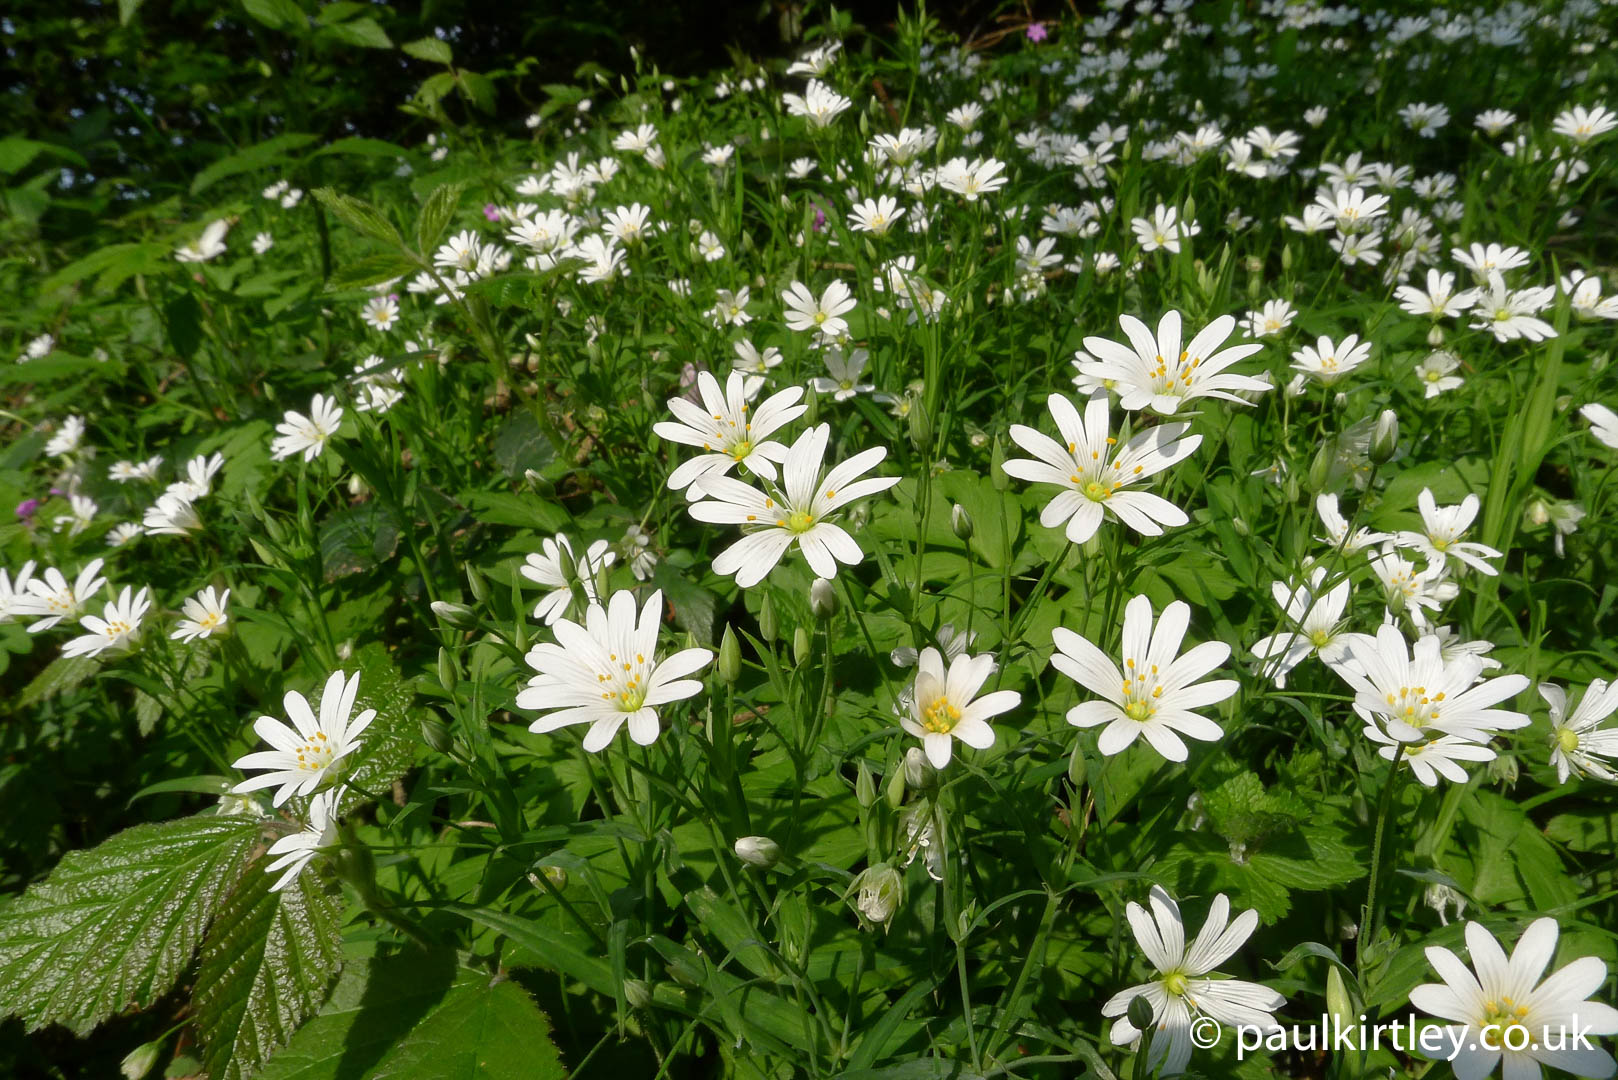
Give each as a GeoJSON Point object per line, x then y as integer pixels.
{"type": "Point", "coordinates": [1581, 124]}
{"type": "Point", "coordinates": [1603, 423]}
{"type": "Point", "coordinates": [210, 245]}
{"type": "Point", "coordinates": [799, 512]}
{"type": "Point", "coordinates": [123, 533]}
{"type": "Point", "coordinates": [730, 308]}
{"type": "Point", "coordinates": [1164, 230]}
{"type": "Point", "coordinates": [1337, 528]}
{"type": "Point", "coordinates": [1509, 314]}
{"type": "Point", "coordinates": [1351, 208]}
{"type": "Point", "coordinates": [307, 434]}
{"type": "Point", "coordinates": [1158, 374]}
{"type": "Point", "coordinates": [1094, 479]}
{"type": "Point", "coordinates": [14, 591]}
{"type": "Point", "coordinates": [1492, 258]}
{"type": "Point", "coordinates": [67, 438]}
{"type": "Point", "coordinates": [171, 515]}
{"type": "Point", "coordinates": [629, 224]}
{"type": "Point", "coordinates": [816, 61]}
{"type": "Point", "coordinates": [606, 673]}
{"type": "Point", "coordinates": [262, 242]}
{"type": "Point", "coordinates": [1439, 300]}
{"type": "Point", "coordinates": [969, 179]}
{"type": "Point", "coordinates": [1416, 694]}
{"type": "Point", "coordinates": [199, 474]}
{"type": "Point", "coordinates": [1442, 528]}
{"type": "Point", "coordinates": [875, 216]}
{"type": "Point", "coordinates": [1316, 619]}
{"type": "Point", "coordinates": [843, 371]}
{"type": "Point", "coordinates": [381, 313]}
{"type": "Point", "coordinates": [819, 104]}
{"type": "Point", "coordinates": [204, 615]}
{"type": "Point", "coordinates": [1584, 296]}
{"type": "Point", "coordinates": [1577, 747]}
{"type": "Point", "coordinates": [295, 852]}
{"type": "Point", "coordinates": [52, 599]}
{"type": "Point", "coordinates": [1410, 591]}
{"type": "Point", "coordinates": [305, 760]}
{"type": "Point", "coordinates": [951, 642]}
{"type": "Point", "coordinates": [1156, 695]}
{"type": "Point", "coordinates": [1275, 317]}
{"type": "Point", "coordinates": [1328, 362]}
{"type": "Point", "coordinates": [1493, 121]}
{"type": "Point", "coordinates": [940, 705]}
{"type": "Point", "coordinates": [729, 430]}
{"type": "Point", "coordinates": [1437, 373]}
{"type": "Point", "coordinates": [1506, 1011]}
{"type": "Point", "coordinates": [553, 566]}
{"type": "Point", "coordinates": [82, 512]}
{"type": "Point", "coordinates": [1182, 989]}
{"type": "Point", "coordinates": [825, 315]}
{"type": "Point", "coordinates": [118, 631]}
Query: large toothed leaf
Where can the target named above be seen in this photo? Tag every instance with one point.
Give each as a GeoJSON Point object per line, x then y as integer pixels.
{"type": "Point", "coordinates": [483, 1030]}
{"type": "Point", "coordinates": [265, 968]}
{"type": "Point", "coordinates": [115, 926]}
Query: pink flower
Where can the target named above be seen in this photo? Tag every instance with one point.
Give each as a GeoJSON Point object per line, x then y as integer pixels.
{"type": "Point", "coordinates": [491, 211]}
{"type": "Point", "coordinates": [26, 508]}
{"type": "Point", "coordinates": [1037, 32]}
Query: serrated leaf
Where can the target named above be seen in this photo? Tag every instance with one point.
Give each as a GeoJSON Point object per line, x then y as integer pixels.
{"type": "Point", "coordinates": [116, 925]}
{"type": "Point", "coordinates": [484, 1029]}
{"type": "Point", "coordinates": [266, 964]}
{"type": "Point", "coordinates": [276, 14]}
{"type": "Point", "coordinates": [435, 216]}
{"type": "Point", "coordinates": [365, 32]}
{"type": "Point", "coordinates": [258, 156]}
{"type": "Point", "coordinates": [358, 539]}
{"type": "Point", "coordinates": [430, 49]}
{"type": "Point", "coordinates": [373, 1005]}
{"type": "Point", "coordinates": [371, 270]}
{"type": "Point", "coordinates": [520, 445]}
{"type": "Point", "coordinates": [359, 215]}
{"type": "Point", "coordinates": [394, 736]}
{"type": "Point", "coordinates": [59, 676]}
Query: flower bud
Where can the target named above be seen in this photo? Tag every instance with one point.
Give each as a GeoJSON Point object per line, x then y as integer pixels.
{"type": "Point", "coordinates": [1320, 467]}
{"type": "Point", "coordinates": [800, 645]}
{"type": "Point", "coordinates": [878, 892]}
{"type": "Point", "coordinates": [638, 993]}
{"type": "Point", "coordinates": [919, 772]}
{"type": "Point", "coordinates": [811, 407]}
{"type": "Point", "coordinates": [1140, 1013]}
{"type": "Point", "coordinates": [865, 786]}
{"type": "Point", "coordinates": [730, 657]}
{"type": "Point", "coordinates": [476, 583]}
{"type": "Point", "coordinates": [1503, 770]}
{"type": "Point", "coordinates": [769, 626]}
{"type": "Point", "coordinates": [1435, 336]}
{"type": "Point", "coordinates": [997, 466]}
{"type": "Point", "coordinates": [960, 522]}
{"type": "Point", "coordinates": [448, 675]}
{"type": "Point", "coordinates": [921, 427]}
{"type": "Point", "coordinates": [1537, 513]}
{"type": "Point", "coordinates": [456, 615]}
{"type": "Point", "coordinates": [140, 1061]}
{"type": "Point", "coordinates": [895, 789]}
{"type": "Point", "coordinates": [759, 851]}
{"type": "Point", "coordinates": [822, 599]}
{"type": "Point", "coordinates": [1385, 439]}
{"type": "Point", "coordinates": [1339, 1001]}
{"type": "Point", "coordinates": [435, 733]}
{"type": "Point", "coordinates": [1077, 767]}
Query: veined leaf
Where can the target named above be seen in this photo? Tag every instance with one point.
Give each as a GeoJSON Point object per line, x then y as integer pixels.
{"type": "Point", "coordinates": [116, 925]}
{"type": "Point", "coordinates": [431, 49]}
{"type": "Point", "coordinates": [435, 216]}
{"type": "Point", "coordinates": [359, 215]}
{"type": "Point", "coordinates": [484, 1029]}
{"type": "Point", "coordinates": [266, 965]}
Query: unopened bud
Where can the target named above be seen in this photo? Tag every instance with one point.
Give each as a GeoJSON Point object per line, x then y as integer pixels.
{"type": "Point", "coordinates": [1385, 439]}
{"type": "Point", "coordinates": [997, 466]}
{"type": "Point", "coordinates": [822, 599]}
{"type": "Point", "coordinates": [456, 615]}
{"type": "Point", "coordinates": [919, 772]}
{"type": "Point", "coordinates": [921, 428]}
{"type": "Point", "coordinates": [865, 786]}
{"type": "Point", "coordinates": [894, 792]}
{"type": "Point", "coordinates": [1339, 1001]}
{"type": "Point", "coordinates": [1077, 767]}
{"type": "Point", "coordinates": [435, 733]}
{"type": "Point", "coordinates": [811, 407]}
{"type": "Point", "coordinates": [730, 657]}
{"type": "Point", "coordinates": [1435, 336]}
{"type": "Point", "coordinates": [638, 993]}
{"type": "Point", "coordinates": [448, 675]}
{"type": "Point", "coordinates": [1240, 526]}
{"type": "Point", "coordinates": [1538, 512]}
{"type": "Point", "coordinates": [1140, 1013]}
{"type": "Point", "coordinates": [759, 851]}
{"type": "Point", "coordinates": [140, 1061]}
{"type": "Point", "coordinates": [769, 626]}
{"type": "Point", "coordinates": [476, 583]}
{"type": "Point", "coordinates": [1503, 770]}
{"type": "Point", "coordinates": [1286, 258]}
{"type": "Point", "coordinates": [1320, 467]}
{"type": "Point", "coordinates": [960, 522]}
{"type": "Point", "coordinates": [800, 645]}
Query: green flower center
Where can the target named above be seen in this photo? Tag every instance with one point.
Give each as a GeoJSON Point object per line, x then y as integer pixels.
{"type": "Point", "coordinates": [1568, 740]}
{"type": "Point", "coordinates": [1096, 491]}
{"type": "Point", "coordinates": [800, 522]}
{"type": "Point", "coordinates": [1139, 710]}
{"type": "Point", "coordinates": [941, 716]}
{"type": "Point", "coordinates": [1319, 639]}
{"type": "Point", "coordinates": [741, 450]}
{"type": "Point", "coordinates": [1176, 983]}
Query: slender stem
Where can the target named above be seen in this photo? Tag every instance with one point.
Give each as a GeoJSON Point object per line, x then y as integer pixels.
{"type": "Point", "coordinates": [1384, 810]}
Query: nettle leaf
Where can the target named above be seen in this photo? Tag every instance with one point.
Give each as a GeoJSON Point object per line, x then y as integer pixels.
{"type": "Point", "coordinates": [60, 675]}
{"type": "Point", "coordinates": [436, 214]}
{"type": "Point", "coordinates": [266, 965]}
{"type": "Point", "coordinates": [484, 1029]}
{"type": "Point", "coordinates": [359, 215]}
{"type": "Point", "coordinates": [431, 49]}
{"type": "Point", "coordinates": [115, 926]}
{"type": "Point", "coordinates": [371, 270]}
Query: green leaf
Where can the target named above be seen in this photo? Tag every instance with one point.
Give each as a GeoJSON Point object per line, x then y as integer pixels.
{"type": "Point", "coordinates": [694, 606]}
{"type": "Point", "coordinates": [392, 739]}
{"type": "Point", "coordinates": [277, 14]}
{"type": "Point", "coordinates": [115, 263]}
{"type": "Point", "coordinates": [115, 926]}
{"type": "Point", "coordinates": [258, 156]}
{"type": "Point", "coordinates": [436, 215]}
{"type": "Point", "coordinates": [479, 90]}
{"type": "Point", "coordinates": [371, 270]}
{"type": "Point", "coordinates": [265, 967]}
{"type": "Point", "coordinates": [365, 32]}
{"type": "Point", "coordinates": [59, 676]}
{"type": "Point", "coordinates": [183, 316]}
{"type": "Point", "coordinates": [359, 215]}
{"type": "Point", "coordinates": [429, 48]}
{"type": "Point", "coordinates": [127, 9]}
{"type": "Point", "coordinates": [362, 146]}
{"type": "Point", "coordinates": [485, 1029]}
{"type": "Point", "coordinates": [521, 445]}
{"type": "Point", "coordinates": [17, 152]}
{"type": "Point", "coordinates": [360, 538]}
